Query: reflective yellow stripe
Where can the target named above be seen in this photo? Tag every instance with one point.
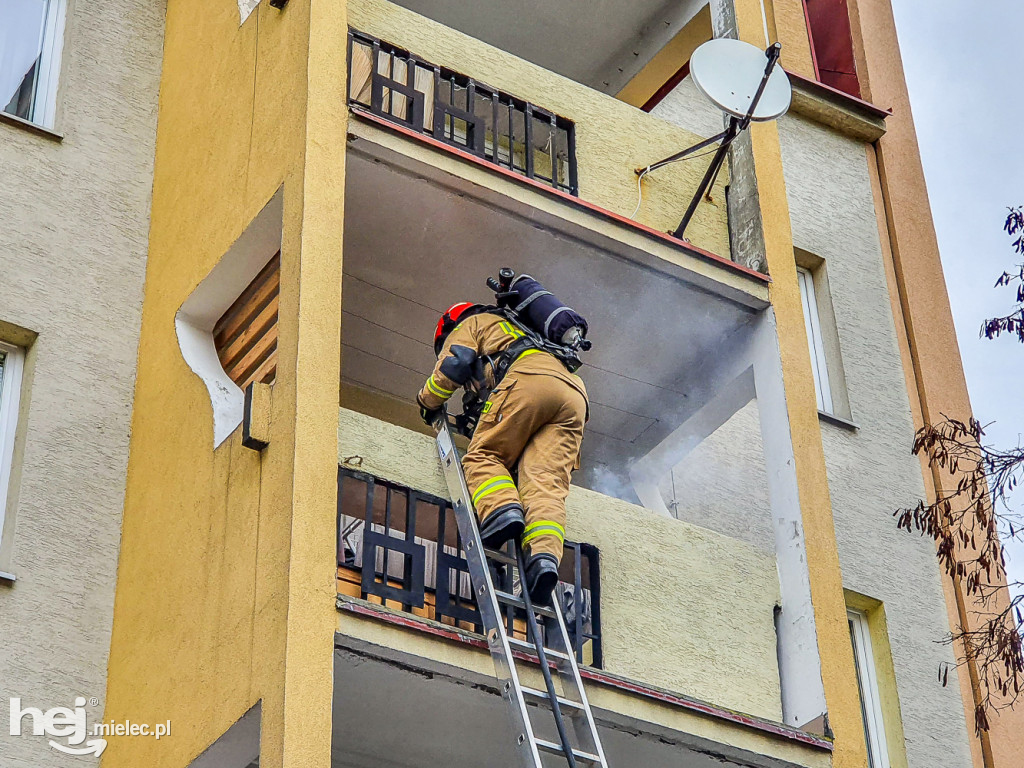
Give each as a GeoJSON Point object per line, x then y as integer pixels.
{"type": "Point", "coordinates": [438, 390]}
{"type": "Point", "coordinates": [438, 387]}
{"type": "Point", "coordinates": [494, 484]}
{"type": "Point", "coordinates": [487, 490]}
{"type": "Point", "coordinates": [511, 330]}
{"type": "Point", "coordinates": [543, 528]}
{"type": "Point", "coordinates": [527, 352]}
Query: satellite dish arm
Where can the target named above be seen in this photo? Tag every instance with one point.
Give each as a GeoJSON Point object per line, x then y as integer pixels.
{"type": "Point", "coordinates": [773, 53]}
{"type": "Point", "coordinates": [734, 129]}
{"type": "Point", "coordinates": [684, 153]}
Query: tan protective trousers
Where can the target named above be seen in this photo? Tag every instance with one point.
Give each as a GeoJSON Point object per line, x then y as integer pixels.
{"type": "Point", "coordinates": [536, 421]}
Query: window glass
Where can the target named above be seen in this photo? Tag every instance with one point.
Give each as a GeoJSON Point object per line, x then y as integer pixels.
{"type": "Point", "coordinates": [11, 364]}
{"type": "Point", "coordinates": [870, 703]}
{"type": "Point", "coordinates": [815, 340]}
{"type": "Point", "coordinates": [30, 33]}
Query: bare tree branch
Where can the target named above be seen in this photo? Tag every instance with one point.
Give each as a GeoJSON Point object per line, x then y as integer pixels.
{"type": "Point", "coordinates": [969, 523]}
{"type": "Point", "coordinates": [1012, 323]}
{"type": "Point", "coordinates": [971, 520]}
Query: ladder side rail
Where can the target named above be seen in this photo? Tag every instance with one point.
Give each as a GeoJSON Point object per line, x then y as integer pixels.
{"type": "Point", "coordinates": [487, 603]}
{"type": "Point", "coordinates": [542, 658]}
{"type": "Point", "coordinates": [572, 687]}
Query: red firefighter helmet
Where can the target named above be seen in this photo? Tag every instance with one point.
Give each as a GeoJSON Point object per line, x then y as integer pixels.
{"type": "Point", "coordinates": [451, 317]}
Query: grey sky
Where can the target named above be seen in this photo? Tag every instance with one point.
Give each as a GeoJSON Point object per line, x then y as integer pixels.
{"type": "Point", "coordinates": [964, 64]}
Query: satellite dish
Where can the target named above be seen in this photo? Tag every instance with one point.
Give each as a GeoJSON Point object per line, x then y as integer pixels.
{"type": "Point", "coordinates": [729, 72]}
{"type": "Point", "coordinates": [743, 82]}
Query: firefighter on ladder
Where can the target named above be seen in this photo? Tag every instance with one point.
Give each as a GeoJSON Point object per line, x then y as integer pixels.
{"type": "Point", "coordinates": [532, 421]}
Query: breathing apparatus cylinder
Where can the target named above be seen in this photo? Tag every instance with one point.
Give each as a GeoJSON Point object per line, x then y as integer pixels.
{"type": "Point", "coordinates": [539, 309]}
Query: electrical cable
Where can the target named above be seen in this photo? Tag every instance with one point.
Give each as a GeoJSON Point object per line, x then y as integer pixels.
{"type": "Point", "coordinates": [645, 171]}
{"type": "Point", "coordinates": [640, 191]}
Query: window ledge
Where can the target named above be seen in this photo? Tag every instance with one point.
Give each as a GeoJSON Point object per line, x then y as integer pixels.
{"type": "Point", "coordinates": [7, 577]}
{"type": "Point", "coordinates": [838, 421]}
{"type": "Point", "coordinates": [30, 127]}
{"type": "Point", "coordinates": [847, 114]}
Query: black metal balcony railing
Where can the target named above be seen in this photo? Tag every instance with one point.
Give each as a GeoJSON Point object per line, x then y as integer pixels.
{"type": "Point", "coordinates": [407, 548]}
{"type": "Point", "coordinates": [455, 109]}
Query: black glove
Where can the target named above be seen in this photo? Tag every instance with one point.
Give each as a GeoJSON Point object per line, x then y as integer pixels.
{"type": "Point", "coordinates": [429, 415]}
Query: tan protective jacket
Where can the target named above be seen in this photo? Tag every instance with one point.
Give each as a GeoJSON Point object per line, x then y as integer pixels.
{"type": "Point", "coordinates": [488, 334]}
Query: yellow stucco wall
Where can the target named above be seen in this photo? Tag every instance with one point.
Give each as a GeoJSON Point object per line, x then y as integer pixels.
{"type": "Point", "coordinates": [837, 663]}
{"type": "Point", "coordinates": [682, 607]}
{"type": "Point", "coordinates": [788, 22]}
{"type": "Point", "coordinates": [225, 593]}
{"type": "Point", "coordinates": [612, 138]}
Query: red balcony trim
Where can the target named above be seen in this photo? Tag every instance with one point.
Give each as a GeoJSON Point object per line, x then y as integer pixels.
{"type": "Point", "coordinates": [416, 624]}
{"type": "Point", "coordinates": [576, 202]}
{"type": "Point", "coordinates": [667, 87]}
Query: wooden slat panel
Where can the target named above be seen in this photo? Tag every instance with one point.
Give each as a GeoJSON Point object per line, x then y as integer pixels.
{"type": "Point", "coordinates": [250, 335]}
{"type": "Point", "coordinates": [255, 356]}
{"type": "Point", "coordinates": [246, 334]}
{"type": "Point", "coordinates": [267, 372]}
{"type": "Point", "coordinates": [236, 323]}
{"type": "Point", "coordinates": [268, 278]}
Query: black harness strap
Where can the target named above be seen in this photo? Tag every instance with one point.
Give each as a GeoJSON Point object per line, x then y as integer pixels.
{"type": "Point", "coordinates": [473, 402]}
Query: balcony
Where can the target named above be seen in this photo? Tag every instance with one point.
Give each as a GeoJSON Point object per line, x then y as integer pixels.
{"type": "Point", "coordinates": [424, 112]}
{"type": "Point", "coordinates": [400, 547]}
{"type": "Point", "coordinates": [685, 649]}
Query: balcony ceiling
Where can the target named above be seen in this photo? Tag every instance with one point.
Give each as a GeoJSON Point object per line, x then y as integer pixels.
{"type": "Point", "coordinates": [601, 43]}
{"type": "Point", "coordinates": [418, 241]}
{"type": "Point", "coordinates": [394, 715]}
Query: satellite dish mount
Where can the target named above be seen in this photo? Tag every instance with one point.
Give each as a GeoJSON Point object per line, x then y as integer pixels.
{"type": "Point", "coordinates": [715, 74]}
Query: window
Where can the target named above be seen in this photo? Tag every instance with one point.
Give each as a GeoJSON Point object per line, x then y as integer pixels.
{"type": "Point", "coordinates": [815, 340]}
{"type": "Point", "coordinates": [870, 701]}
{"type": "Point", "coordinates": [831, 38]}
{"type": "Point", "coordinates": [31, 38]}
{"type": "Point", "coordinates": [11, 363]}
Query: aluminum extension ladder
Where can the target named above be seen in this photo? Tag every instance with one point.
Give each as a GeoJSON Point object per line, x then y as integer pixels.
{"type": "Point", "coordinates": [572, 705]}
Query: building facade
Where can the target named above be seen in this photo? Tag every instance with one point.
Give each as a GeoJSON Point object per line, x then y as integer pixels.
{"type": "Point", "coordinates": [327, 177]}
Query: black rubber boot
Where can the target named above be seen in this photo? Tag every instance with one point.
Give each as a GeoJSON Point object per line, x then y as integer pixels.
{"type": "Point", "coordinates": [541, 578]}
{"type": "Point", "coordinates": [502, 524]}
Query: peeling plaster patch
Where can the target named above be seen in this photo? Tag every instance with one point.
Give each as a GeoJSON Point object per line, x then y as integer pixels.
{"type": "Point", "coordinates": [245, 7]}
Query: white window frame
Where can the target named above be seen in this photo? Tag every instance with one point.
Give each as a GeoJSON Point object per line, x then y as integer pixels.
{"type": "Point", "coordinates": [51, 47]}
{"type": "Point", "coordinates": [867, 680]}
{"type": "Point", "coordinates": [10, 399]}
{"type": "Point", "coordinates": [815, 340]}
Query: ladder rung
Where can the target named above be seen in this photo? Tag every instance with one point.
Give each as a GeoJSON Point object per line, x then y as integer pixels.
{"type": "Point", "coordinates": [499, 556]}
{"type": "Point", "coordinates": [556, 749]}
{"type": "Point", "coordinates": [566, 705]}
{"type": "Point", "coordinates": [518, 602]}
{"type": "Point", "coordinates": [530, 648]}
